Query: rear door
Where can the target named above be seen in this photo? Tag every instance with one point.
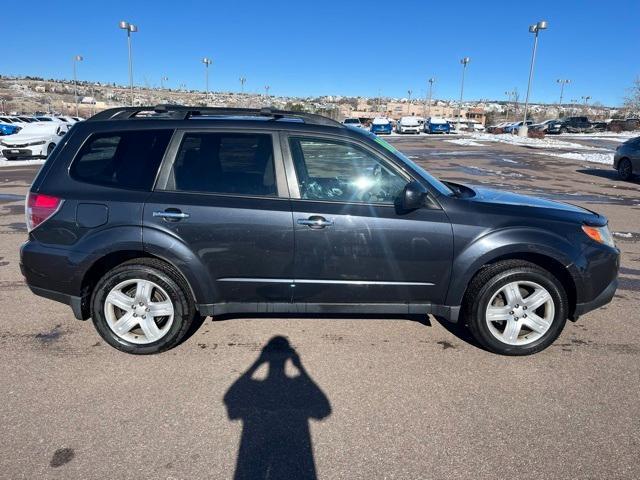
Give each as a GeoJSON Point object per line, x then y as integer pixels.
{"type": "Point", "coordinates": [219, 193]}
{"type": "Point", "coordinates": [352, 245]}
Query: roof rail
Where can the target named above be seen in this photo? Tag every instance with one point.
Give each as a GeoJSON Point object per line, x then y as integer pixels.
{"type": "Point", "coordinates": [181, 112]}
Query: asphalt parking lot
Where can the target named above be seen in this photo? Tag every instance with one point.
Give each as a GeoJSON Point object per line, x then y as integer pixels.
{"type": "Point", "coordinates": [383, 398]}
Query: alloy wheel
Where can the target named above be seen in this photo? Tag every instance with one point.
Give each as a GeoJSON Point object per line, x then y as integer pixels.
{"type": "Point", "coordinates": [520, 313]}
{"type": "Point", "coordinates": [139, 311]}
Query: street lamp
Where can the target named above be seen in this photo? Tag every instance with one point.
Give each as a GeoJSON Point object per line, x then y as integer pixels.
{"type": "Point", "coordinates": [242, 82]}
{"type": "Point", "coordinates": [562, 83]}
{"type": "Point", "coordinates": [266, 90]}
{"type": "Point", "coordinates": [430, 81]}
{"type": "Point", "coordinates": [586, 99]}
{"type": "Point", "coordinates": [130, 28]}
{"type": "Point", "coordinates": [409, 92]}
{"type": "Point", "coordinates": [76, 59]}
{"type": "Point", "coordinates": [464, 61]}
{"type": "Point", "coordinates": [535, 29]}
{"type": "Point", "coordinates": [207, 61]}
{"type": "Point", "coordinates": [162, 80]}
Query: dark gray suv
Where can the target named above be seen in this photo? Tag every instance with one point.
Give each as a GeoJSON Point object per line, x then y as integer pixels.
{"type": "Point", "coordinates": [148, 219]}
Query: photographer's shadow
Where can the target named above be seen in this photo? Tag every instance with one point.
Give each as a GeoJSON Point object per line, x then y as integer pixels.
{"type": "Point", "coordinates": [275, 412]}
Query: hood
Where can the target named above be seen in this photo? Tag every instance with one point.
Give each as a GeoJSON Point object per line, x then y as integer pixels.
{"type": "Point", "coordinates": [20, 138]}
{"type": "Point", "coordinates": [489, 195]}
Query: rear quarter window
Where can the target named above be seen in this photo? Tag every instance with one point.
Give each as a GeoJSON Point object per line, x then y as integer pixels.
{"type": "Point", "coordinates": [128, 159]}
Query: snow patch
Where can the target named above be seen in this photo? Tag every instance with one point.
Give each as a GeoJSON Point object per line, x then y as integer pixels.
{"type": "Point", "coordinates": [465, 141]}
{"type": "Point", "coordinates": [17, 163]}
{"type": "Point", "coordinates": [603, 158]}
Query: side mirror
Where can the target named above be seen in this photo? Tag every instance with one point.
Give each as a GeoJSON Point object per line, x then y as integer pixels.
{"type": "Point", "coordinates": [413, 196]}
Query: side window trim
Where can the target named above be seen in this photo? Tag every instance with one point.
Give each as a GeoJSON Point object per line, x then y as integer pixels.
{"type": "Point", "coordinates": [174, 146]}
{"type": "Point", "coordinates": [292, 177]}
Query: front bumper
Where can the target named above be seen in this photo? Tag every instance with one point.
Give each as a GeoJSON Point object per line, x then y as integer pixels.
{"type": "Point", "coordinates": [605, 297]}
{"type": "Point", "coordinates": [35, 151]}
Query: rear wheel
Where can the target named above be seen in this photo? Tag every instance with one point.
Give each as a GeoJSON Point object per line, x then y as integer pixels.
{"type": "Point", "coordinates": [625, 169]}
{"type": "Point", "coordinates": [515, 308]}
{"type": "Point", "coordinates": [50, 148]}
{"type": "Point", "coordinates": [142, 306]}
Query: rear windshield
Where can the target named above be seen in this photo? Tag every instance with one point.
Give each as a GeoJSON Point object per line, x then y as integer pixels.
{"type": "Point", "coordinates": [121, 159]}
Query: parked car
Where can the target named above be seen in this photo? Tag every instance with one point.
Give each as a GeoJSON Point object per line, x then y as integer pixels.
{"type": "Point", "coordinates": [571, 125]}
{"type": "Point", "coordinates": [498, 127]}
{"type": "Point", "coordinates": [625, 125]}
{"type": "Point", "coordinates": [542, 126]}
{"type": "Point", "coordinates": [6, 120]}
{"type": "Point", "coordinates": [408, 125]}
{"type": "Point", "coordinates": [380, 126]}
{"type": "Point", "coordinates": [9, 128]}
{"type": "Point", "coordinates": [436, 125]}
{"type": "Point", "coordinates": [515, 127]}
{"type": "Point", "coordinates": [146, 224]}
{"type": "Point", "coordinates": [353, 122]}
{"type": "Point", "coordinates": [627, 158]}
{"type": "Point", "coordinates": [34, 140]}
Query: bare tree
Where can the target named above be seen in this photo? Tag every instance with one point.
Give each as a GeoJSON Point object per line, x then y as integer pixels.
{"type": "Point", "coordinates": [632, 100]}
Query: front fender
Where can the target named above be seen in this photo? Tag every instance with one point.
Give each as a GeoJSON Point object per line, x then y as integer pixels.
{"type": "Point", "coordinates": [503, 243]}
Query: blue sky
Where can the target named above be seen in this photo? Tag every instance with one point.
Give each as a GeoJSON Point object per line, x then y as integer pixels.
{"type": "Point", "coordinates": [336, 47]}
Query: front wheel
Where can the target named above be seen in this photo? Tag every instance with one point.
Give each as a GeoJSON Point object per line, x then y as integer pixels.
{"type": "Point", "coordinates": [142, 306]}
{"type": "Point", "coordinates": [625, 169]}
{"type": "Point", "coordinates": [50, 149]}
{"type": "Point", "coordinates": [515, 308]}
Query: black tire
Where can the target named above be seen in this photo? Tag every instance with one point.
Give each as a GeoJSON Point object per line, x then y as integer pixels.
{"type": "Point", "coordinates": [50, 149]}
{"type": "Point", "coordinates": [164, 276]}
{"type": "Point", "coordinates": [564, 130]}
{"type": "Point", "coordinates": [491, 279]}
{"type": "Point", "coordinates": [625, 169]}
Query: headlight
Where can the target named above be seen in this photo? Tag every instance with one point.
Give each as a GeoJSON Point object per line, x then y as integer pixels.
{"type": "Point", "coordinates": [33, 144]}
{"type": "Point", "coordinates": [599, 234]}
{"type": "Point", "coordinates": [4, 144]}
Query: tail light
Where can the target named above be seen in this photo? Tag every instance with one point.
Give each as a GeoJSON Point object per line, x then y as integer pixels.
{"type": "Point", "coordinates": [39, 208]}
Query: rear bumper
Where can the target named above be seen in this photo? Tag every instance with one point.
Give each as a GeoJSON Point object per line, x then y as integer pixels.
{"type": "Point", "coordinates": [602, 299]}
{"type": "Point", "coordinates": [74, 302]}
{"type": "Point", "coordinates": [56, 274]}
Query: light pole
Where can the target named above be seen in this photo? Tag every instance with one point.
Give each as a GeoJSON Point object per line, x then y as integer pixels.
{"type": "Point", "coordinates": [242, 82]}
{"type": "Point", "coordinates": [76, 59]}
{"type": "Point", "coordinates": [586, 99]}
{"type": "Point", "coordinates": [266, 91]}
{"type": "Point", "coordinates": [409, 92]}
{"type": "Point", "coordinates": [431, 82]}
{"type": "Point", "coordinates": [162, 80]}
{"type": "Point", "coordinates": [130, 28]}
{"type": "Point", "coordinates": [562, 83]}
{"type": "Point", "coordinates": [535, 29]}
{"type": "Point", "coordinates": [207, 61]}
{"type": "Point", "coordinates": [464, 61]}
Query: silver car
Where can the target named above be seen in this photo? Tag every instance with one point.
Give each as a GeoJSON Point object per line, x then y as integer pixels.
{"type": "Point", "coordinates": [627, 159]}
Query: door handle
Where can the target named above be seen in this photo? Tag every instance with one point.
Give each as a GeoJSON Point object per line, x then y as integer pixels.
{"type": "Point", "coordinates": [315, 221]}
{"type": "Point", "coordinates": [172, 215]}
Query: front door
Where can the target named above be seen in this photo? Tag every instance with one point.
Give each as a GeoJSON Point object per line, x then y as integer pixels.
{"type": "Point", "coordinates": [352, 245]}
{"type": "Point", "coordinates": [219, 197]}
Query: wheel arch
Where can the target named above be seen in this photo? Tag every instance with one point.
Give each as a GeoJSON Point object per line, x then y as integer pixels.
{"type": "Point", "coordinates": [548, 263]}
{"type": "Point", "coordinates": [111, 260]}
{"type": "Point", "coordinates": [545, 249]}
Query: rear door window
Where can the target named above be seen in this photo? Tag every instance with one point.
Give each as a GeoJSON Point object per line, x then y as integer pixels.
{"type": "Point", "coordinates": [225, 163]}
{"type": "Point", "coordinates": [128, 159]}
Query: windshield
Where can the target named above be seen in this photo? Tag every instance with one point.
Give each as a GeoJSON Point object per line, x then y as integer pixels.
{"type": "Point", "coordinates": [352, 120]}
{"type": "Point", "coordinates": [437, 184]}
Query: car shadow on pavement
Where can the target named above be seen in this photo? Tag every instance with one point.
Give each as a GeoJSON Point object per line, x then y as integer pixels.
{"type": "Point", "coordinates": [275, 413]}
{"type": "Point", "coordinates": [609, 174]}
